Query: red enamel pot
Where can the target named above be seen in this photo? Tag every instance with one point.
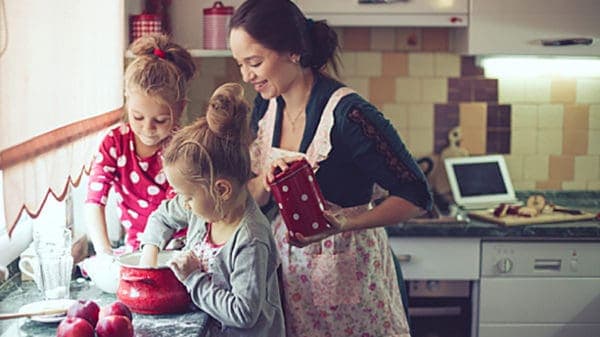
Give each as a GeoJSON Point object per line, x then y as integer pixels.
{"type": "Point", "coordinates": [152, 291]}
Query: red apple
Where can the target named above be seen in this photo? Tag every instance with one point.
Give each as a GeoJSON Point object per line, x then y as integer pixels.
{"type": "Point", "coordinates": [74, 327]}
{"type": "Point", "coordinates": [85, 309]}
{"type": "Point", "coordinates": [115, 308]}
{"type": "Point", "coordinates": [114, 326]}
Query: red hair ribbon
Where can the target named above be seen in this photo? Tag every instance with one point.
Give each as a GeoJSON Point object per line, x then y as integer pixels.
{"type": "Point", "coordinates": [160, 53]}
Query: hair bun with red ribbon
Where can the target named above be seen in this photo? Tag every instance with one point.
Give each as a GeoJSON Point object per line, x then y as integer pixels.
{"type": "Point", "coordinates": [160, 53]}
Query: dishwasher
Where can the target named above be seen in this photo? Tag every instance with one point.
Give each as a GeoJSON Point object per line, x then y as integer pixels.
{"type": "Point", "coordinates": [539, 289]}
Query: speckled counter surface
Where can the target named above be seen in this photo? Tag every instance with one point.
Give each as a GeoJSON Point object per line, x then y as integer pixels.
{"type": "Point", "coordinates": [588, 201]}
{"type": "Point", "coordinates": [14, 295]}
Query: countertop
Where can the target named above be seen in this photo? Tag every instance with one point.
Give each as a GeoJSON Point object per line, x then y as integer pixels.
{"type": "Point", "coordinates": [14, 295]}
{"type": "Point", "coordinates": [588, 201]}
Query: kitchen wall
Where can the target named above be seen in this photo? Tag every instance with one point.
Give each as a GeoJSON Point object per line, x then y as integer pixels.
{"type": "Point", "coordinates": [548, 128]}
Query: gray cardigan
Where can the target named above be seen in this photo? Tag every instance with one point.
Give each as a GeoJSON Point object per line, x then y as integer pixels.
{"type": "Point", "coordinates": [243, 292]}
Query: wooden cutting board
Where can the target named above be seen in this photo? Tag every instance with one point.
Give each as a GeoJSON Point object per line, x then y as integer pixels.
{"type": "Point", "coordinates": [515, 220]}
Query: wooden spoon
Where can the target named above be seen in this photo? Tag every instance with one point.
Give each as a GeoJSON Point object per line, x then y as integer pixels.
{"type": "Point", "coordinates": [45, 312]}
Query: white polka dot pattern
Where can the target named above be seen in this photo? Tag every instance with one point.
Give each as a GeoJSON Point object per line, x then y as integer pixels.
{"type": "Point", "coordinates": [96, 186]}
{"type": "Point", "coordinates": [133, 214]}
{"type": "Point", "coordinates": [99, 158]}
{"type": "Point", "coordinates": [160, 178]}
{"type": "Point", "coordinates": [109, 169]}
{"type": "Point", "coordinates": [122, 161]}
{"type": "Point", "coordinates": [144, 165]}
{"type": "Point", "coordinates": [285, 188]}
{"type": "Point", "coordinates": [296, 216]}
{"type": "Point", "coordinates": [143, 203]}
{"type": "Point", "coordinates": [126, 224]}
{"type": "Point", "coordinates": [304, 197]}
{"type": "Point", "coordinates": [131, 146]}
{"type": "Point", "coordinates": [315, 225]}
{"type": "Point", "coordinates": [113, 152]}
{"type": "Point", "coordinates": [135, 178]}
{"type": "Point", "coordinates": [153, 190]}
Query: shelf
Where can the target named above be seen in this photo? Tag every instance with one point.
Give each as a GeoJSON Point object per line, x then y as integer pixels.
{"type": "Point", "coordinates": [200, 53]}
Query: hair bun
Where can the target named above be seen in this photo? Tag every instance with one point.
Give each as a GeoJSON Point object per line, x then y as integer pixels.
{"type": "Point", "coordinates": [227, 114]}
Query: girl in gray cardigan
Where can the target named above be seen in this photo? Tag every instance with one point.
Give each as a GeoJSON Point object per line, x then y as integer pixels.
{"type": "Point", "coordinates": [229, 264]}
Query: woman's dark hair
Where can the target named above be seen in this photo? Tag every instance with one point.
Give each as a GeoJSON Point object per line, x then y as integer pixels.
{"type": "Point", "coordinates": [281, 26]}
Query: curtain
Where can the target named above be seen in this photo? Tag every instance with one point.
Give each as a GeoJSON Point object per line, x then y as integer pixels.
{"type": "Point", "coordinates": [61, 86]}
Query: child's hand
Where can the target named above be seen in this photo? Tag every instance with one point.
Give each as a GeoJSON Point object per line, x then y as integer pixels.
{"type": "Point", "coordinates": [183, 264]}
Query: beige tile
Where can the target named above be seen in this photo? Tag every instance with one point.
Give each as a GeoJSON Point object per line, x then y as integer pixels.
{"type": "Point", "coordinates": [574, 186]}
{"type": "Point", "coordinates": [420, 65]}
{"type": "Point", "coordinates": [435, 90]}
{"type": "Point", "coordinates": [394, 64]}
{"type": "Point", "coordinates": [368, 64]}
{"type": "Point", "coordinates": [588, 91]}
{"type": "Point", "coordinates": [576, 116]}
{"type": "Point", "coordinates": [383, 38]}
{"type": "Point", "coordinates": [511, 91]}
{"type": "Point", "coordinates": [550, 116]}
{"type": "Point", "coordinates": [360, 85]}
{"type": "Point", "coordinates": [587, 168]}
{"type": "Point", "coordinates": [524, 116]}
{"type": "Point", "coordinates": [474, 140]}
{"type": "Point", "coordinates": [357, 39]}
{"type": "Point", "coordinates": [562, 90]}
{"type": "Point", "coordinates": [536, 167]}
{"type": "Point", "coordinates": [575, 142]}
{"type": "Point", "coordinates": [594, 142]}
{"type": "Point", "coordinates": [348, 64]}
{"type": "Point", "coordinates": [537, 90]}
{"type": "Point", "coordinates": [408, 39]}
{"type": "Point", "coordinates": [547, 185]}
{"type": "Point", "coordinates": [420, 116]}
{"type": "Point", "coordinates": [340, 35]}
{"type": "Point", "coordinates": [382, 89]}
{"type": "Point", "coordinates": [397, 114]}
{"type": "Point", "coordinates": [593, 185]}
{"type": "Point", "coordinates": [211, 66]}
{"type": "Point", "coordinates": [436, 39]}
{"type": "Point", "coordinates": [562, 168]}
{"type": "Point", "coordinates": [549, 141]}
{"type": "Point", "coordinates": [594, 122]}
{"type": "Point", "coordinates": [473, 115]}
{"type": "Point", "coordinates": [408, 90]}
{"type": "Point", "coordinates": [403, 133]}
{"type": "Point", "coordinates": [526, 185]}
{"type": "Point", "coordinates": [446, 64]}
{"type": "Point", "coordinates": [523, 142]}
{"type": "Point", "coordinates": [421, 141]}
{"type": "Point", "coordinates": [514, 163]}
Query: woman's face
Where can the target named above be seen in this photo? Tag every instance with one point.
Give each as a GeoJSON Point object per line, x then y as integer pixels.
{"type": "Point", "coordinates": [270, 72]}
{"type": "Point", "coordinates": [151, 121]}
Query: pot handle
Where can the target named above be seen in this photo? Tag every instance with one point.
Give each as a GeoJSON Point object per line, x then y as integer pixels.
{"type": "Point", "coordinates": [132, 279]}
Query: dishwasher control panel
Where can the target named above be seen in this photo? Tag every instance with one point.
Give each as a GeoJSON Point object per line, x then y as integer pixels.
{"type": "Point", "coordinates": [540, 259]}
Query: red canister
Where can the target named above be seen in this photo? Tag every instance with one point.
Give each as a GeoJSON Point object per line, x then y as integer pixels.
{"type": "Point", "coordinates": [216, 26]}
{"type": "Point", "coordinates": [144, 24]}
{"type": "Point", "coordinates": [299, 198]}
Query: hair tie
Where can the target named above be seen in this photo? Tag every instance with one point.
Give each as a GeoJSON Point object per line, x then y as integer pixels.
{"type": "Point", "coordinates": [160, 53]}
{"type": "Point", "coordinates": [309, 24]}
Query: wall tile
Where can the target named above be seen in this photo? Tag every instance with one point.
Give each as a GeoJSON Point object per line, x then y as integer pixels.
{"type": "Point", "coordinates": [408, 90]}
{"type": "Point", "coordinates": [446, 65]}
{"type": "Point", "coordinates": [594, 142]}
{"type": "Point", "coordinates": [588, 91]}
{"type": "Point", "coordinates": [460, 90]}
{"type": "Point", "coordinates": [368, 64]}
{"type": "Point", "coordinates": [397, 114]}
{"type": "Point", "coordinates": [357, 39]}
{"type": "Point", "coordinates": [549, 141]}
{"type": "Point", "coordinates": [394, 64]}
{"type": "Point", "coordinates": [421, 141]}
{"type": "Point", "coordinates": [213, 66]}
{"type": "Point", "coordinates": [575, 142]}
{"type": "Point", "coordinates": [587, 168]}
{"type": "Point", "coordinates": [436, 39]}
{"type": "Point", "coordinates": [382, 89]}
{"type": "Point", "coordinates": [383, 39]}
{"type": "Point", "coordinates": [537, 90]}
{"type": "Point", "coordinates": [550, 116]}
{"type": "Point", "coordinates": [485, 90]}
{"type": "Point", "coordinates": [420, 116]}
{"type": "Point", "coordinates": [524, 116]}
{"type": "Point", "coordinates": [574, 185]}
{"type": "Point", "coordinates": [576, 116]}
{"type": "Point", "coordinates": [536, 168]}
{"type": "Point", "coordinates": [497, 141]}
{"type": "Point", "coordinates": [360, 84]}
{"type": "Point", "coordinates": [562, 168]}
{"type": "Point", "coordinates": [514, 164]}
{"type": "Point", "coordinates": [548, 185]}
{"type": "Point", "coordinates": [340, 35]}
{"type": "Point", "coordinates": [434, 90]}
{"type": "Point", "coordinates": [523, 141]}
{"type": "Point", "coordinates": [420, 65]}
{"type": "Point", "coordinates": [525, 185]}
{"type": "Point", "coordinates": [474, 140]}
{"type": "Point", "coordinates": [468, 67]}
{"type": "Point", "coordinates": [498, 116]}
{"type": "Point", "coordinates": [348, 62]}
{"type": "Point", "coordinates": [563, 90]}
{"type": "Point", "coordinates": [473, 115]}
{"type": "Point", "coordinates": [445, 119]}
{"type": "Point", "coordinates": [593, 185]}
{"type": "Point", "coordinates": [594, 122]}
{"type": "Point", "coordinates": [511, 91]}
{"type": "Point", "coordinates": [408, 39]}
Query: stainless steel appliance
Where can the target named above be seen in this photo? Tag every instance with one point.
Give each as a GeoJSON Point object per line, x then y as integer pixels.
{"type": "Point", "coordinates": [539, 289]}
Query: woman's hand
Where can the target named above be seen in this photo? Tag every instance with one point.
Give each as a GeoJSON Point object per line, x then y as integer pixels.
{"type": "Point", "coordinates": [183, 264]}
{"type": "Point", "coordinates": [338, 221]}
{"type": "Point", "coordinates": [278, 165]}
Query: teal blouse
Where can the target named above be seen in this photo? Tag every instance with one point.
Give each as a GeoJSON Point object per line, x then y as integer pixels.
{"type": "Point", "coordinates": [365, 149]}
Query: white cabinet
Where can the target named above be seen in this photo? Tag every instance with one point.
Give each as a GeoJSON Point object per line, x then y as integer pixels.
{"type": "Point", "coordinates": [518, 27]}
{"type": "Point", "coordinates": [437, 258]}
{"type": "Point", "coordinates": [389, 13]}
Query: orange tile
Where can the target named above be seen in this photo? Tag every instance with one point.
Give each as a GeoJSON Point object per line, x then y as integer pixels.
{"type": "Point", "coordinates": [561, 168]}
{"type": "Point", "coordinates": [382, 89]}
{"type": "Point", "coordinates": [474, 140]}
{"type": "Point", "coordinates": [563, 90]}
{"type": "Point", "coordinates": [436, 39]}
{"type": "Point", "coordinates": [394, 64]}
{"type": "Point", "coordinates": [548, 185]}
{"type": "Point", "coordinates": [576, 116]}
{"type": "Point", "coordinates": [409, 39]}
{"type": "Point", "coordinates": [575, 142]}
{"type": "Point", "coordinates": [473, 115]}
{"type": "Point", "coordinates": [357, 39]}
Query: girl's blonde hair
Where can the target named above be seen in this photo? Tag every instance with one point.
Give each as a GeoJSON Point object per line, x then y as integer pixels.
{"type": "Point", "coordinates": [215, 145]}
{"type": "Point", "coordinates": [161, 69]}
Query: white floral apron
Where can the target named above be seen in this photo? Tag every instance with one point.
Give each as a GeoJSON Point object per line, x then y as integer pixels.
{"type": "Point", "coordinates": [345, 285]}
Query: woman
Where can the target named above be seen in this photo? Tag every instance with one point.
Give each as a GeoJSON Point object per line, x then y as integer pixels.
{"type": "Point", "coordinates": [341, 283]}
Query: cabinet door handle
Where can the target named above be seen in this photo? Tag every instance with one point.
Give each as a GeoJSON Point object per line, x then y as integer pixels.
{"type": "Point", "coordinates": [375, 2]}
{"type": "Point", "coordinates": [404, 257]}
{"type": "Point", "coordinates": [567, 42]}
